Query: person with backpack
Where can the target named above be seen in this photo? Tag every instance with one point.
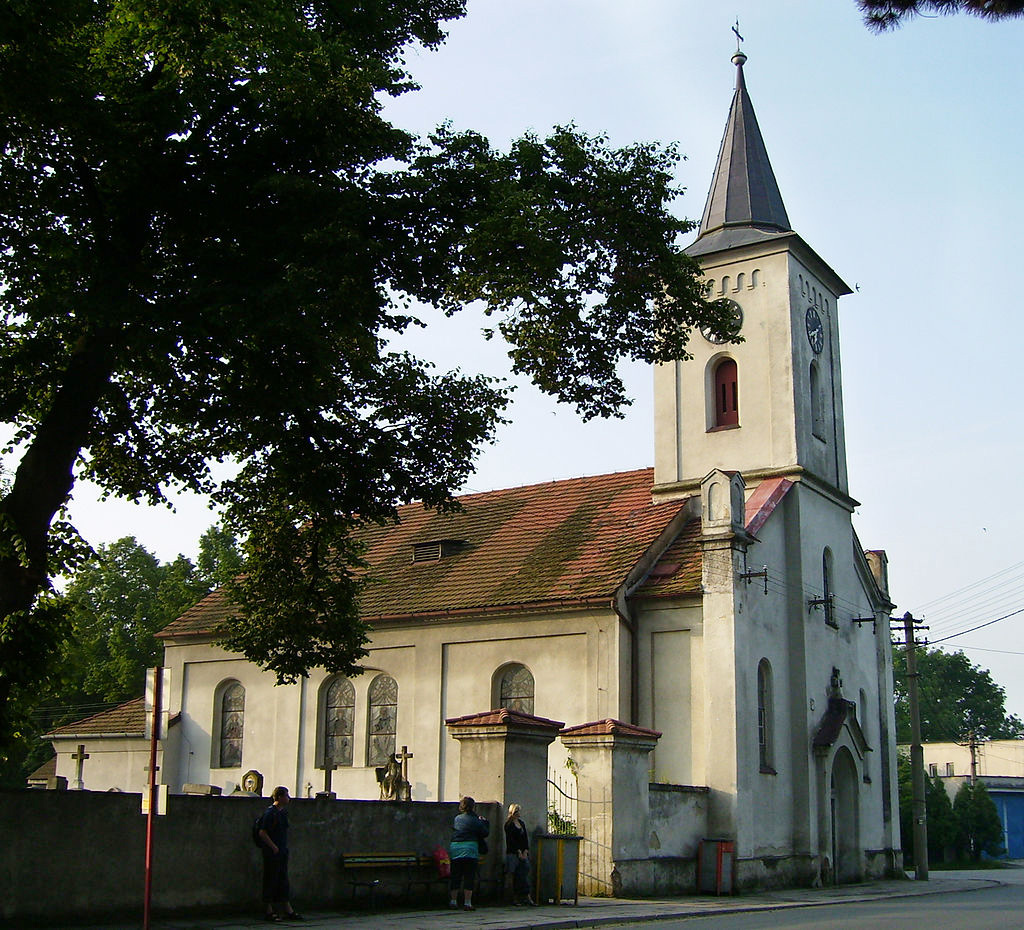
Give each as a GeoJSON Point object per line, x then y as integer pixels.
{"type": "Point", "coordinates": [271, 830]}
{"type": "Point", "coordinates": [469, 843]}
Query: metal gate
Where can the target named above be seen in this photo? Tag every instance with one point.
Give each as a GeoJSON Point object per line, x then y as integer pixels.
{"type": "Point", "coordinates": [587, 816]}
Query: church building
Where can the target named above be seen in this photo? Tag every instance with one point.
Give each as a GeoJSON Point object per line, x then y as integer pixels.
{"type": "Point", "coordinates": [720, 599]}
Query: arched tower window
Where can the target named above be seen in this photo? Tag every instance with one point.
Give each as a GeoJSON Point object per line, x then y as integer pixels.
{"type": "Point", "coordinates": [727, 410]}
{"type": "Point", "coordinates": [765, 713]}
{"type": "Point", "coordinates": [516, 688]}
{"type": "Point", "coordinates": [338, 719]}
{"type": "Point", "coordinates": [383, 719]}
{"type": "Point", "coordinates": [817, 407]}
{"type": "Point", "coordinates": [862, 716]}
{"type": "Point", "coordinates": [827, 581]}
{"type": "Point", "coordinates": [232, 725]}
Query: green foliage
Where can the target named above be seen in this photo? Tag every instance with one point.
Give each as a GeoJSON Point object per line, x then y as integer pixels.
{"type": "Point", "coordinates": [209, 233]}
{"type": "Point", "coordinates": [979, 830]}
{"type": "Point", "coordinates": [955, 697]}
{"type": "Point", "coordinates": [116, 606]}
{"type": "Point", "coordinates": [881, 15]}
{"type": "Point", "coordinates": [905, 785]}
{"type": "Point", "coordinates": [942, 824]}
{"type": "Point", "coordinates": [560, 824]}
{"type": "Point", "coordinates": [968, 826]}
{"type": "Point", "coordinates": [108, 618]}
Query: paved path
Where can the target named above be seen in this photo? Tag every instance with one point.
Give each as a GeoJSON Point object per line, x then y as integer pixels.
{"type": "Point", "coordinates": [594, 912]}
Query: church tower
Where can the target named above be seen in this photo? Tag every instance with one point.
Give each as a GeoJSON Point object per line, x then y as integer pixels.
{"type": "Point", "coordinates": [770, 405]}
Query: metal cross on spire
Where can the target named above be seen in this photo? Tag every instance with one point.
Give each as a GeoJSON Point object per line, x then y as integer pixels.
{"type": "Point", "coordinates": [736, 29]}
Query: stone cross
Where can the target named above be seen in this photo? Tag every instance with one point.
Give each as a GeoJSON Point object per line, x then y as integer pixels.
{"type": "Point", "coordinates": [80, 758]}
{"type": "Point", "coordinates": [404, 756]}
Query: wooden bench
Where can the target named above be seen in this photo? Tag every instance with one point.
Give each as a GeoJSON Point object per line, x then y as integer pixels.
{"type": "Point", "coordinates": [409, 864]}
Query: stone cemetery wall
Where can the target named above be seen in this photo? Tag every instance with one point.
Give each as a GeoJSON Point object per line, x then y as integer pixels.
{"type": "Point", "coordinates": [81, 854]}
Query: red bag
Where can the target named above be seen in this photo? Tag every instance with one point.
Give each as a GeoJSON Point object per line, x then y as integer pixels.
{"type": "Point", "coordinates": [444, 863]}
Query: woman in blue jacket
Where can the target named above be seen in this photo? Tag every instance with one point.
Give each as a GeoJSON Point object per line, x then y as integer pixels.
{"type": "Point", "coordinates": [464, 851]}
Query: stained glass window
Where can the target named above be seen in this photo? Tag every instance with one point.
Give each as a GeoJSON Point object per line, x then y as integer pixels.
{"type": "Point", "coordinates": [232, 720]}
{"type": "Point", "coordinates": [383, 701]}
{"type": "Point", "coordinates": [516, 690]}
{"type": "Point", "coordinates": [339, 716]}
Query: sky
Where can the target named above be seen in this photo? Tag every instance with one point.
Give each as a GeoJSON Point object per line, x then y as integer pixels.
{"type": "Point", "coordinates": [899, 160]}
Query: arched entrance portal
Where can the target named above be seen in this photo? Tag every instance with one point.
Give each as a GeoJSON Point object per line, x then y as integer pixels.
{"type": "Point", "coordinates": [846, 847]}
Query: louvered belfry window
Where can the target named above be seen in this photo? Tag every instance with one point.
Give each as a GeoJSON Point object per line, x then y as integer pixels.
{"type": "Point", "coordinates": [727, 401]}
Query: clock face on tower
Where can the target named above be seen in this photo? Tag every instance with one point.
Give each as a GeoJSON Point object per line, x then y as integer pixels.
{"type": "Point", "coordinates": [736, 322]}
{"type": "Point", "coordinates": [815, 331]}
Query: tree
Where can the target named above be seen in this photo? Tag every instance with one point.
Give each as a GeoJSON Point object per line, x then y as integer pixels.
{"type": "Point", "coordinates": [955, 697]}
{"type": "Point", "coordinates": [942, 825]}
{"type": "Point", "coordinates": [220, 560]}
{"type": "Point", "coordinates": [114, 606]}
{"type": "Point", "coordinates": [208, 232]}
{"type": "Point", "coordinates": [905, 786]}
{"type": "Point", "coordinates": [890, 14]}
{"type": "Point", "coordinates": [979, 830]}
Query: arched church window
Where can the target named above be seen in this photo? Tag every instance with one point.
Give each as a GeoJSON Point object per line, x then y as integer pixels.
{"type": "Point", "coordinates": [338, 719]}
{"type": "Point", "coordinates": [727, 411]}
{"type": "Point", "coordinates": [827, 579]}
{"type": "Point", "coordinates": [862, 716]}
{"type": "Point", "coordinates": [817, 407]}
{"type": "Point", "coordinates": [232, 725]}
{"type": "Point", "coordinates": [516, 688]}
{"type": "Point", "coordinates": [765, 713]}
{"type": "Point", "coordinates": [383, 720]}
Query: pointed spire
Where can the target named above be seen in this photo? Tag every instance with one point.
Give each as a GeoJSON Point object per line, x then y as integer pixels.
{"type": "Point", "coordinates": [744, 203]}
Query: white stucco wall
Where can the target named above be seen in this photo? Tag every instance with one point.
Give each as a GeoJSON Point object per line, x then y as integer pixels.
{"type": "Point", "coordinates": [114, 764]}
{"type": "Point", "coordinates": [443, 669]}
{"type": "Point", "coordinates": [997, 757]}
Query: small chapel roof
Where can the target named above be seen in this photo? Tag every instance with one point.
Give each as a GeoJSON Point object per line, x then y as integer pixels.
{"type": "Point", "coordinates": [127, 719]}
{"type": "Point", "coordinates": [44, 773]}
{"type": "Point", "coordinates": [744, 204]}
{"type": "Point", "coordinates": [559, 544]}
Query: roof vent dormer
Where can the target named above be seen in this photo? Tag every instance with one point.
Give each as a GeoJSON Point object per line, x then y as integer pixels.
{"type": "Point", "coordinates": [436, 549]}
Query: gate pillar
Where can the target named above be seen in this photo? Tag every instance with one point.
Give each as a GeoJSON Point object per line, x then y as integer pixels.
{"type": "Point", "coordinates": [611, 763]}
{"type": "Point", "coordinates": [503, 757]}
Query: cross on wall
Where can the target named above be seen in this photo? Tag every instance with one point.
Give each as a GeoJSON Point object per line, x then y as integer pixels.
{"type": "Point", "coordinates": [80, 758]}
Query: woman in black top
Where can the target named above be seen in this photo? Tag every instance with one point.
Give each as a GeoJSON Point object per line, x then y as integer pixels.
{"type": "Point", "coordinates": [517, 855]}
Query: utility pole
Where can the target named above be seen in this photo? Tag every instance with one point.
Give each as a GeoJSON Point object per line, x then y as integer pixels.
{"type": "Point", "coordinates": [973, 745]}
{"type": "Point", "coordinates": [916, 754]}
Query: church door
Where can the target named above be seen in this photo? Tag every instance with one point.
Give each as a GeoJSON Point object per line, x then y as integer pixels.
{"type": "Point", "coordinates": [845, 809]}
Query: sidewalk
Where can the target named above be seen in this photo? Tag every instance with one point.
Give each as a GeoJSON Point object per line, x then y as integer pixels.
{"type": "Point", "coordinates": [590, 912]}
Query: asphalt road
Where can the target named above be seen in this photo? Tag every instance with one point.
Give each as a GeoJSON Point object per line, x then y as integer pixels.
{"type": "Point", "coordinates": [993, 908]}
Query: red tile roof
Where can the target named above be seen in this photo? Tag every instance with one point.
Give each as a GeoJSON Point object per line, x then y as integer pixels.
{"type": "Point", "coordinates": [127, 718]}
{"type": "Point", "coordinates": [502, 715]}
{"type": "Point", "coordinates": [45, 772]}
{"type": "Point", "coordinates": [609, 727]}
{"type": "Point", "coordinates": [561, 543]}
{"type": "Point", "coordinates": [762, 503]}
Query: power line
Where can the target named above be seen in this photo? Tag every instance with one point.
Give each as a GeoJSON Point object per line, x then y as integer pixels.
{"type": "Point", "coordinates": [968, 587]}
{"type": "Point", "coordinates": [1003, 652]}
{"type": "Point", "coordinates": [935, 642]}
